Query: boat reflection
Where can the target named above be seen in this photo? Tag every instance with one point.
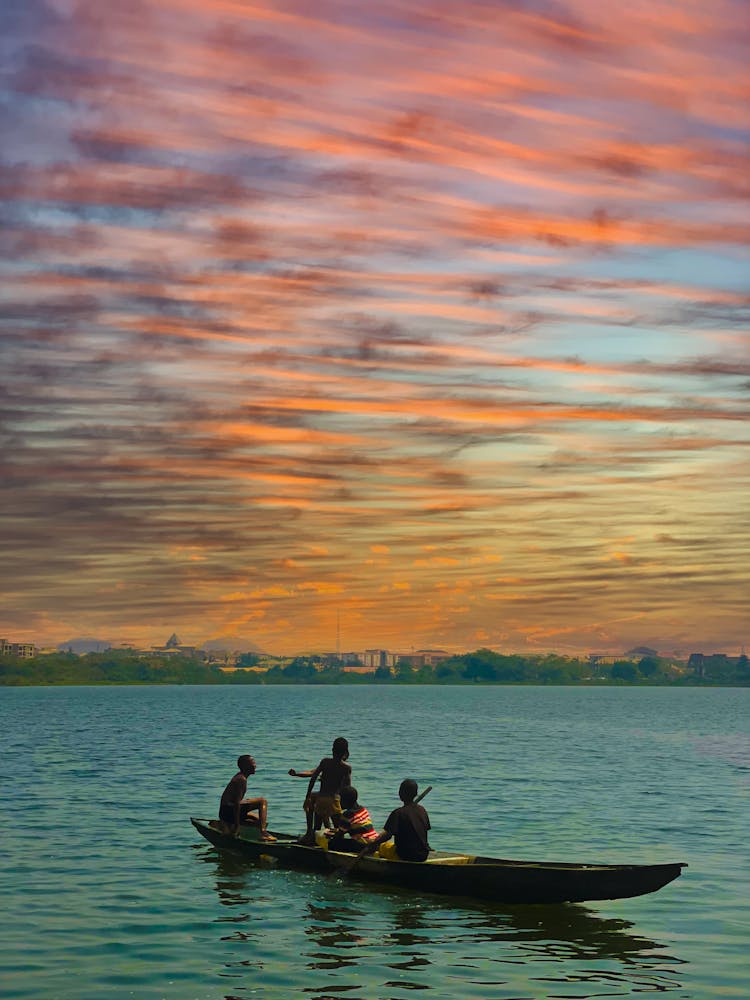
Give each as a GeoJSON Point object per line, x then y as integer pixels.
{"type": "Point", "coordinates": [341, 934]}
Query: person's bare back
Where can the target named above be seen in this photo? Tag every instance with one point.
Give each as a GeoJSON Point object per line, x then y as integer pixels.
{"type": "Point", "coordinates": [334, 775]}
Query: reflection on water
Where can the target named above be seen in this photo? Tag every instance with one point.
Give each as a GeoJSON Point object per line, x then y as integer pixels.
{"type": "Point", "coordinates": [348, 936]}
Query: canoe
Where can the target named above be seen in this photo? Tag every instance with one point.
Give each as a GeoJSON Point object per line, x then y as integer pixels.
{"type": "Point", "coordinates": [457, 874]}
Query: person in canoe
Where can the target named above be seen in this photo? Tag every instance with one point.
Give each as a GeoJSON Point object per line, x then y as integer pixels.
{"type": "Point", "coordinates": [235, 809]}
{"type": "Point", "coordinates": [334, 774]}
{"type": "Point", "coordinates": [407, 826]}
{"type": "Point", "coordinates": [353, 826]}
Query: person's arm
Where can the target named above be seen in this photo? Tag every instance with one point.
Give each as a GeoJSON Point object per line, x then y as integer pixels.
{"type": "Point", "coordinates": [341, 822]}
{"type": "Point", "coordinates": [385, 834]}
{"type": "Point", "coordinates": [300, 774]}
{"type": "Point", "coordinates": [313, 778]}
{"type": "Point", "coordinates": [372, 845]}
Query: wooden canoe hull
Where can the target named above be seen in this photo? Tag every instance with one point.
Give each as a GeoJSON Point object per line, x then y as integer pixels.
{"type": "Point", "coordinates": [457, 874]}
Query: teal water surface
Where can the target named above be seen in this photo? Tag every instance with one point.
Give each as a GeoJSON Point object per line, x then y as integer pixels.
{"type": "Point", "coordinates": [108, 891]}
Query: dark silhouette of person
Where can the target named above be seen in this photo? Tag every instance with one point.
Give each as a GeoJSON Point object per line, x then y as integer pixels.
{"type": "Point", "coordinates": [235, 809]}
{"type": "Point", "coordinates": [407, 825]}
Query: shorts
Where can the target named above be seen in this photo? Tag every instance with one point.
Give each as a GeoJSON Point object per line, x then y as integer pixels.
{"type": "Point", "coordinates": [389, 852]}
{"type": "Point", "coordinates": [327, 805]}
{"type": "Point", "coordinates": [227, 814]}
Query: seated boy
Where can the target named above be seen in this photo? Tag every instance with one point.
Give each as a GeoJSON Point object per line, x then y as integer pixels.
{"type": "Point", "coordinates": [235, 810]}
{"type": "Point", "coordinates": [353, 825]}
{"type": "Point", "coordinates": [407, 825]}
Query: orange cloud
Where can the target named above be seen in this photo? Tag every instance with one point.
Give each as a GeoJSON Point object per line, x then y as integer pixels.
{"type": "Point", "coordinates": [470, 293]}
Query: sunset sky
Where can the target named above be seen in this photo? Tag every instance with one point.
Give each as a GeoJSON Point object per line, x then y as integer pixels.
{"type": "Point", "coordinates": [429, 316]}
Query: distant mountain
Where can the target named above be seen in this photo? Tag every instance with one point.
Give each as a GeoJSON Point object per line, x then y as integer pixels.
{"type": "Point", "coordinates": [231, 644]}
{"type": "Point", "coordinates": [85, 644]}
{"type": "Point", "coordinates": [642, 651]}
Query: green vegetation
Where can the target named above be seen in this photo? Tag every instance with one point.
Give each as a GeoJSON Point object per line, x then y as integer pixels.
{"type": "Point", "coordinates": [112, 667]}
{"type": "Point", "coordinates": [483, 666]}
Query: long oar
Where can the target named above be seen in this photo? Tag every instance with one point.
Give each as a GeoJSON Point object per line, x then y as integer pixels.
{"type": "Point", "coordinates": [347, 870]}
{"type": "Point", "coordinates": [422, 794]}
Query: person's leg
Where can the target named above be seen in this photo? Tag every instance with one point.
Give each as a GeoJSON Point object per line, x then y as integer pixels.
{"type": "Point", "coordinates": [340, 842]}
{"type": "Point", "coordinates": [322, 819]}
{"type": "Point", "coordinates": [324, 805]}
{"type": "Point", "coordinates": [309, 807]}
{"type": "Point", "coordinates": [262, 806]}
{"type": "Point", "coordinates": [248, 818]}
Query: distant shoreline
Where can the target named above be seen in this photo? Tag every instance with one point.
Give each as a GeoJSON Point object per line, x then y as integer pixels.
{"type": "Point", "coordinates": [461, 684]}
{"type": "Point", "coordinates": [369, 682]}
{"type": "Point", "coordinates": [481, 667]}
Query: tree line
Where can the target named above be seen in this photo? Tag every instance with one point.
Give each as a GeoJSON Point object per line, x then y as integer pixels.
{"type": "Point", "coordinates": [483, 666]}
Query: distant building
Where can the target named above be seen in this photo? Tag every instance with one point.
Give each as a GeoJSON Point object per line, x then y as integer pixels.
{"type": "Point", "coordinates": [23, 650]}
{"type": "Point", "coordinates": [84, 644]}
{"type": "Point", "coordinates": [375, 658]}
{"type": "Point", "coordinates": [632, 656]}
{"type": "Point", "coordinates": [173, 647]}
{"type": "Point", "coordinates": [432, 657]}
{"type": "Point", "coordinates": [211, 655]}
{"type": "Point", "coordinates": [702, 663]}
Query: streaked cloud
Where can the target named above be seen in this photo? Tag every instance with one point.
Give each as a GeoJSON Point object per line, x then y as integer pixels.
{"type": "Point", "coordinates": [429, 318]}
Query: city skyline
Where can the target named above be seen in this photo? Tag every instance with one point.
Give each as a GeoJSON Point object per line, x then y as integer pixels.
{"type": "Point", "coordinates": [323, 323]}
{"type": "Point", "coordinates": [240, 645]}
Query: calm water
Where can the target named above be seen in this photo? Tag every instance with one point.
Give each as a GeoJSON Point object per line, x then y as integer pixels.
{"type": "Point", "coordinates": [107, 890]}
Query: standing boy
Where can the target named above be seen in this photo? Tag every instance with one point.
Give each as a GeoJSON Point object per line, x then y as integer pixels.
{"type": "Point", "coordinates": [335, 774]}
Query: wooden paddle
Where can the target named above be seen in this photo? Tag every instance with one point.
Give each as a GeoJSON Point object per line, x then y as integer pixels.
{"type": "Point", "coordinates": [345, 870]}
{"type": "Point", "coordinates": [422, 794]}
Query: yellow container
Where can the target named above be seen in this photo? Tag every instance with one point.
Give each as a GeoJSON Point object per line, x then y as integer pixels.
{"type": "Point", "coordinates": [388, 851]}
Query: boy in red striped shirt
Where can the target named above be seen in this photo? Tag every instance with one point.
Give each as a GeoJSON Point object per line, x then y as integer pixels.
{"type": "Point", "coordinates": [354, 826]}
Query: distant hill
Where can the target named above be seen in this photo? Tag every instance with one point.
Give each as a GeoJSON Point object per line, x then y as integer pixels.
{"type": "Point", "coordinates": [231, 644]}
{"type": "Point", "coordinates": [642, 651]}
{"type": "Point", "coordinates": [84, 644]}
